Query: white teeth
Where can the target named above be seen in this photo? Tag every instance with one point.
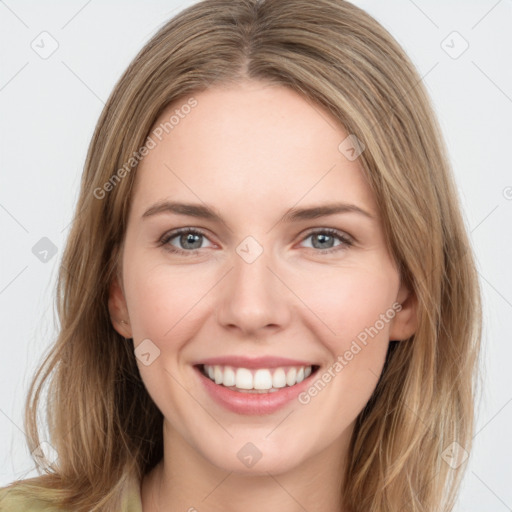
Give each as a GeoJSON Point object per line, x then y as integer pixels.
{"type": "Point", "coordinates": [229, 378]}
{"type": "Point", "coordinates": [291, 377]}
{"type": "Point", "coordinates": [262, 379]}
{"type": "Point", "coordinates": [279, 378]}
{"type": "Point", "coordinates": [243, 378]}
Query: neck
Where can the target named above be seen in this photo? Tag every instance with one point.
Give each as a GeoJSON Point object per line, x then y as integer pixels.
{"type": "Point", "coordinates": [185, 481]}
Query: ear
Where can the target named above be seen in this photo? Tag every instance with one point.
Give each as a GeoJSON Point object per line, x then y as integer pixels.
{"type": "Point", "coordinates": [118, 309]}
{"type": "Point", "coordinates": [405, 322]}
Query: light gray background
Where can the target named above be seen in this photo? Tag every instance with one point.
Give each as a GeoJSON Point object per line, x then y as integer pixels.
{"type": "Point", "coordinates": [49, 108]}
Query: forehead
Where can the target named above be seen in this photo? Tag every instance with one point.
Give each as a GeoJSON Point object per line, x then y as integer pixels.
{"type": "Point", "coordinates": [251, 144]}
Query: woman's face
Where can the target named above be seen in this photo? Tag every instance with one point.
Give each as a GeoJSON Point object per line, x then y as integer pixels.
{"type": "Point", "coordinates": [280, 269]}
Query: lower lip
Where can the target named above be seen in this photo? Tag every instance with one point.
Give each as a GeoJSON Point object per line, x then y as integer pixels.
{"type": "Point", "coordinates": [252, 403]}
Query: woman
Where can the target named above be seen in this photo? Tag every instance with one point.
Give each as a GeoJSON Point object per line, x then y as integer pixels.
{"type": "Point", "coordinates": [267, 298]}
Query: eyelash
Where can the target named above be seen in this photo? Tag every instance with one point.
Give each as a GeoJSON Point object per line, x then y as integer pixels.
{"type": "Point", "coordinates": [345, 240]}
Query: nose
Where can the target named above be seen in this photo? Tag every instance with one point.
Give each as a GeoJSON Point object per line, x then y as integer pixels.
{"type": "Point", "coordinates": [253, 299]}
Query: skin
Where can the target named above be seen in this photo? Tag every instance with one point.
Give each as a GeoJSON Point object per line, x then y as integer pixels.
{"type": "Point", "coordinates": [252, 152]}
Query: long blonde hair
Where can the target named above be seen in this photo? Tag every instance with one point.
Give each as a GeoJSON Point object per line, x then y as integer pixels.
{"type": "Point", "coordinates": [103, 424]}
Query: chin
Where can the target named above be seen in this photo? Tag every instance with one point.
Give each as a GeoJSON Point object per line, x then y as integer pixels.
{"type": "Point", "coordinates": [256, 457]}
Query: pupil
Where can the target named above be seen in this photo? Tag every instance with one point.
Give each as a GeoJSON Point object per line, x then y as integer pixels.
{"type": "Point", "coordinates": [189, 239]}
{"type": "Point", "coordinates": [322, 238]}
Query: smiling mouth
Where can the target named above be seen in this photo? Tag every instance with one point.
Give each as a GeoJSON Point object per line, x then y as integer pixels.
{"type": "Point", "coordinates": [261, 380]}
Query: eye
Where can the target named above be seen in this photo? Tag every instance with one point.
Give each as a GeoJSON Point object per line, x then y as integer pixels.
{"type": "Point", "coordinates": [188, 240]}
{"type": "Point", "coordinates": [324, 240]}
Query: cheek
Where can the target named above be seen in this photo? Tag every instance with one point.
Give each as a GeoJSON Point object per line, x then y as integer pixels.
{"type": "Point", "coordinates": [355, 308]}
{"type": "Point", "coordinates": [165, 306]}
{"type": "Point", "coordinates": [352, 309]}
{"type": "Point", "coordinates": [162, 301]}
{"type": "Point", "coordinates": [346, 301]}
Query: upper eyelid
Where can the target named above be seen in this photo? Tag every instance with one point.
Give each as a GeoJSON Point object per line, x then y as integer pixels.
{"type": "Point", "coordinates": [173, 233]}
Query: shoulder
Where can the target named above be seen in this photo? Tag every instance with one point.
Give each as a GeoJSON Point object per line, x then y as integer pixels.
{"type": "Point", "coordinates": [18, 499]}
{"type": "Point", "coordinates": [24, 497]}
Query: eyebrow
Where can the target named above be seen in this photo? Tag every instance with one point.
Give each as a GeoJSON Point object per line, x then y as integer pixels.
{"type": "Point", "coordinates": [292, 215]}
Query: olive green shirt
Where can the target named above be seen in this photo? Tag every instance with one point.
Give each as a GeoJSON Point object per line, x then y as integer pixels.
{"type": "Point", "coordinates": [11, 501]}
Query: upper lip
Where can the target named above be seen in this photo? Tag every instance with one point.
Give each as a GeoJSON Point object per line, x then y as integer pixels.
{"type": "Point", "coordinates": [253, 362]}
